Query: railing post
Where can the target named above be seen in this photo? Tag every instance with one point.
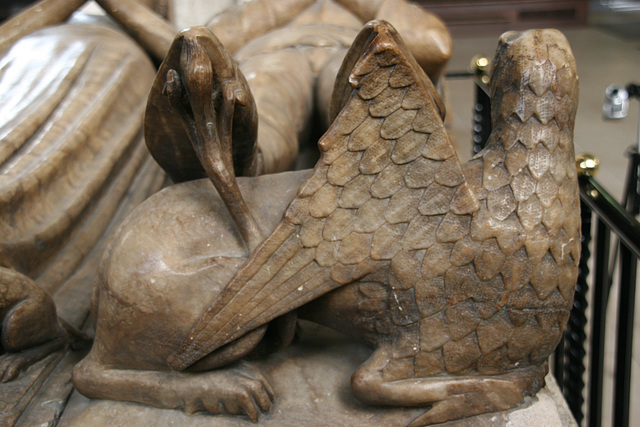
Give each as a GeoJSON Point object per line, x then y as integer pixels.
{"type": "Point", "coordinates": [626, 305]}
{"type": "Point", "coordinates": [601, 287]}
{"type": "Point", "coordinates": [482, 106]}
{"type": "Point", "coordinates": [624, 334]}
{"type": "Point", "coordinates": [575, 336]}
{"type": "Point", "coordinates": [481, 119]}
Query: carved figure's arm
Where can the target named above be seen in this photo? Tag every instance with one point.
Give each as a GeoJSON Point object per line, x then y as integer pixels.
{"type": "Point", "coordinates": [242, 23]}
{"type": "Point", "coordinates": [424, 33]}
{"type": "Point", "coordinates": [235, 27]}
{"type": "Point", "coordinates": [39, 15]}
{"type": "Point", "coordinates": [149, 29]}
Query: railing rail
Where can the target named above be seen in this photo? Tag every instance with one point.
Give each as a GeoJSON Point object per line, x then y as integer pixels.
{"type": "Point", "coordinates": [622, 223]}
{"type": "Point", "coordinates": [611, 219]}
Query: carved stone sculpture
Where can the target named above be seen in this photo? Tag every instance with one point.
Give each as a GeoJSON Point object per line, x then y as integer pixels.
{"type": "Point", "coordinates": [72, 99]}
{"type": "Point", "coordinates": [71, 144]}
{"type": "Point", "coordinates": [30, 327]}
{"type": "Point", "coordinates": [65, 174]}
{"type": "Point", "coordinates": [459, 277]}
{"type": "Point", "coordinates": [289, 51]}
{"type": "Point", "coordinates": [426, 34]}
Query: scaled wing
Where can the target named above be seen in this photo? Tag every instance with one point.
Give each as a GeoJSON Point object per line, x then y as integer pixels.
{"type": "Point", "coordinates": [386, 162]}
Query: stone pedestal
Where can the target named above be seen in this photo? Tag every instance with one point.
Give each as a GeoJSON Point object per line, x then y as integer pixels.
{"type": "Point", "coordinates": [311, 380]}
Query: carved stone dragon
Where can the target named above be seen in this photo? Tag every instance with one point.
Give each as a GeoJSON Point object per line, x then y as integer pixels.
{"type": "Point", "coordinates": [461, 277]}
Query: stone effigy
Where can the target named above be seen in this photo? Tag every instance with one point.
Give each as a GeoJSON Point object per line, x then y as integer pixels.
{"type": "Point", "coordinates": [66, 174]}
{"type": "Point", "coordinates": [288, 53]}
{"type": "Point", "coordinates": [461, 277]}
{"type": "Point", "coordinates": [72, 158]}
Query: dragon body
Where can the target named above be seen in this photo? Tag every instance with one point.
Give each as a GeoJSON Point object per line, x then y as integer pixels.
{"type": "Point", "coordinates": [461, 277]}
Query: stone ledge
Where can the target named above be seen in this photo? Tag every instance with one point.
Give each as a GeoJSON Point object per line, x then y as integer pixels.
{"type": "Point", "coordinates": [311, 379]}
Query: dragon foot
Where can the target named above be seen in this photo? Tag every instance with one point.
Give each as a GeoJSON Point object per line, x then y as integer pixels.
{"type": "Point", "coordinates": [449, 397]}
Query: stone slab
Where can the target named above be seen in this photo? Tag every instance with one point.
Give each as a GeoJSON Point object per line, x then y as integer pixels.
{"type": "Point", "coordinates": [311, 380]}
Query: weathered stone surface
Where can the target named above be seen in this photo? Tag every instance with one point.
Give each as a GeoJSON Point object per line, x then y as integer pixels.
{"type": "Point", "coordinates": [495, 256]}
{"type": "Point", "coordinates": [311, 382]}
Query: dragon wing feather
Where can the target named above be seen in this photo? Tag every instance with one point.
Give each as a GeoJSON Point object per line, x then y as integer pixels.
{"type": "Point", "coordinates": [386, 168]}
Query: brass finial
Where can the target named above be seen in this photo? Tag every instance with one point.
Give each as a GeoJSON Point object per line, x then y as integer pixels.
{"type": "Point", "coordinates": [480, 66]}
{"type": "Point", "coordinates": [587, 164]}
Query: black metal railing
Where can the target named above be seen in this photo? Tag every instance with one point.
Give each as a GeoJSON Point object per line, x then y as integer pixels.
{"type": "Point", "coordinates": [611, 219]}
{"type": "Point", "coordinates": [603, 218]}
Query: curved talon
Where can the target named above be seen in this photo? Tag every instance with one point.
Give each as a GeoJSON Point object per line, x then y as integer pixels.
{"type": "Point", "coordinates": [439, 412]}
{"type": "Point", "coordinates": [12, 364]}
